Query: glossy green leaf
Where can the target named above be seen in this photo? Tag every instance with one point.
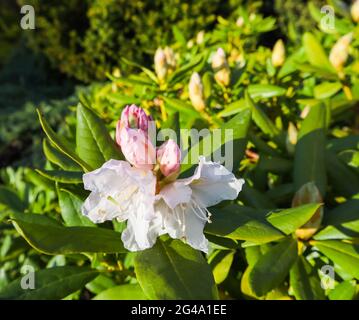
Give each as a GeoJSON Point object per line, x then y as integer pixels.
{"type": "Point", "coordinates": [233, 108]}
{"type": "Point", "coordinates": [50, 284]}
{"type": "Point", "coordinates": [343, 291]}
{"type": "Point", "coordinates": [273, 267]}
{"type": "Point", "coordinates": [61, 143]}
{"type": "Point", "coordinates": [260, 118]}
{"type": "Point", "coordinates": [315, 52]}
{"type": "Point", "coordinates": [289, 220]}
{"type": "Point", "coordinates": [345, 180]}
{"type": "Point", "coordinates": [48, 236]}
{"type": "Point", "coordinates": [305, 282]}
{"type": "Point", "coordinates": [263, 91]}
{"type": "Point", "coordinates": [70, 206]}
{"type": "Point", "coordinates": [309, 160]}
{"type": "Point", "coordinates": [326, 89]}
{"type": "Point", "coordinates": [174, 270]}
{"type": "Point", "coordinates": [73, 177]}
{"type": "Point", "coordinates": [122, 292]}
{"type": "Point", "coordinates": [345, 255]}
{"type": "Point", "coordinates": [221, 264]}
{"type": "Point", "coordinates": [233, 132]}
{"type": "Point", "coordinates": [58, 158]}
{"type": "Point", "coordinates": [93, 142]}
{"type": "Point", "coordinates": [242, 223]}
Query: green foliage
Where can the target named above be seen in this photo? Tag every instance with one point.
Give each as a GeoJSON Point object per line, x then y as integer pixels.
{"type": "Point", "coordinates": [104, 31]}
{"type": "Point", "coordinates": [293, 129]}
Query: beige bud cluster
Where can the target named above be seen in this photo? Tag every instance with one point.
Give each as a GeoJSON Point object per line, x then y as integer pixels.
{"type": "Point", "coordinates": [340, 52]}
{"type": "Point", "coordinates": [196, 93]}
{"type": "Point", "coordinates": [165, 62]}
{"type": "Point", "coordinates": [220, 66]}
{"type": "Point", "coordinates": [278, 53]}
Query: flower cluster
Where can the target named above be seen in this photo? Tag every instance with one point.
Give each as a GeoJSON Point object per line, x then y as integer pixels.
{"type": "Point", "coordinates": [145, 191]}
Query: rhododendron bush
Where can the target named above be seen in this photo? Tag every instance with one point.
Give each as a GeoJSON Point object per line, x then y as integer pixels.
{"type": "Point", "coordinates": [226, 170]}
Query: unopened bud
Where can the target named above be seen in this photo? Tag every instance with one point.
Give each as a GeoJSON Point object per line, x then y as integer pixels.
{"type": "Point", "coordinates": [200, 37]}
{"type": "Point", "coordinates": [278, 53]}
{"type": "Point", "coordinates": [355, 11]}
{"type": "Point", "coordinates": [309, 193]}
{"type": "Point", "coordinates": [221, 68]}
{"type": "Point", "coordinates": [169, 157]}
{"type": "Point", "coordinates": [240, 22]}
{"type": "Point", "coordinates": [292, 137]}
{"type": "Point", "coordinates": [340, 52]}
{"type": "Point", "coordinates": [165, 62]}
{"type": "Point", "coordinates": [196, 94]}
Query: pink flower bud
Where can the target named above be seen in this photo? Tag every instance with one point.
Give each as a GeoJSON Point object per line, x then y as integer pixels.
{"type": "Point", "coordinates": [132, 117]}
{"type": "Point", "coordinates": [137, 148]}
{"type": "Point", "coordinates": [169, 157]}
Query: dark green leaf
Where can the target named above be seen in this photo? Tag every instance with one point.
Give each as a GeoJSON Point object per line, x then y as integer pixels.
{"type": "Point", "coordinates": [50, 284]}
{"type": "Point", "coordinates": [93, 142]}
{"type": "Point", "coordinates": [272, 268]}
{"type": "Point", "coordinates": [173, 270]}
{"type": "Point", "coordinates": [47, 236]}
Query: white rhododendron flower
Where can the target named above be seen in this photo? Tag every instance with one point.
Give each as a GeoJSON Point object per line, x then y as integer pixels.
{"type": "Point", "coordinates": [150, 198]}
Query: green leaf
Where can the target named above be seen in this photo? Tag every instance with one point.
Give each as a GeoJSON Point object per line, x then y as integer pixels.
{"type": "Point", "coordinates": [10, 199]}
{"type": "Point", "coordinates": [264, 91]}
{"type": "Point", "coordinates": [315, 52]}
{"type": "Point", "coordinates": [181, 106]}
{"type": "Point", "coordinates": [343, 291]}
{"type": "Point", "coordinates": [58, 158]}
{"type": "Point", "coordinates": [309, 156]}
{"type": "Point", "coordinates": [326, 89]}
{"type": "Point", "coordinates": [272, 268]}
{"type": "Point", "coordinates": [122, 99]}
{"type": "Point", "coordinates": [234, 131]}
{"type": "Point", "coordinates": [233, 108]}
{"type": "Point", "coordinates": [305, 282]}
{"type": "Point", "coordinates": [172, 124]}
{"type": "Point", "coordinates": [260, 118]}
{"type": "Point", "coordinates": [345, 180]}
{"type": "Point", "coordinates": [179, 36]}
{"type": "Point", "coordinates": [50, 284]}
{"type": "Point", "coordinates": [61, 143]}
{"type": "Point", "coordinates": [345, 255]}
{"type": "Point", "coordinates": [173, 270]}
{"type": "Point", "coordinates": [242, 223]}
{"type": "Point", "coordinates": [182, 71]}
{"type": "Point", "coordinates": [70, 206]}
{"type": "Point", "coordinates": [221, 264]}
{"type": "Point", "coordinates": [345, 217]}
{"type": "Point", "coordinates": [93, 142]}
{"type": "Point", "coordinates": [122, 292]}
{"type": "Point", "coordinates": [73, 177]}
{"type": "Point", "coordinates": [289, 220]}
{"type": "Point", "coordinates": [47, 236]}
{"type": "Point", "coordinates": [148, 72]}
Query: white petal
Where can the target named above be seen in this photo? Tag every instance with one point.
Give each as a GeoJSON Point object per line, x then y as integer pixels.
{"type": "Point", "coordinates": [175, 193]}
{"type": "Point", "coordinates": [213, 183]}
{"type": "Point", "coordinates": [99, 209]}
{"type": "Point", "coordinates": [185, 222]}
{"type": "Point", "coordinates": [117, 190]}
{"type": "Point", "coordinates": [140, 233]}
{"type": "Point", "coordinates": [195, 220]}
